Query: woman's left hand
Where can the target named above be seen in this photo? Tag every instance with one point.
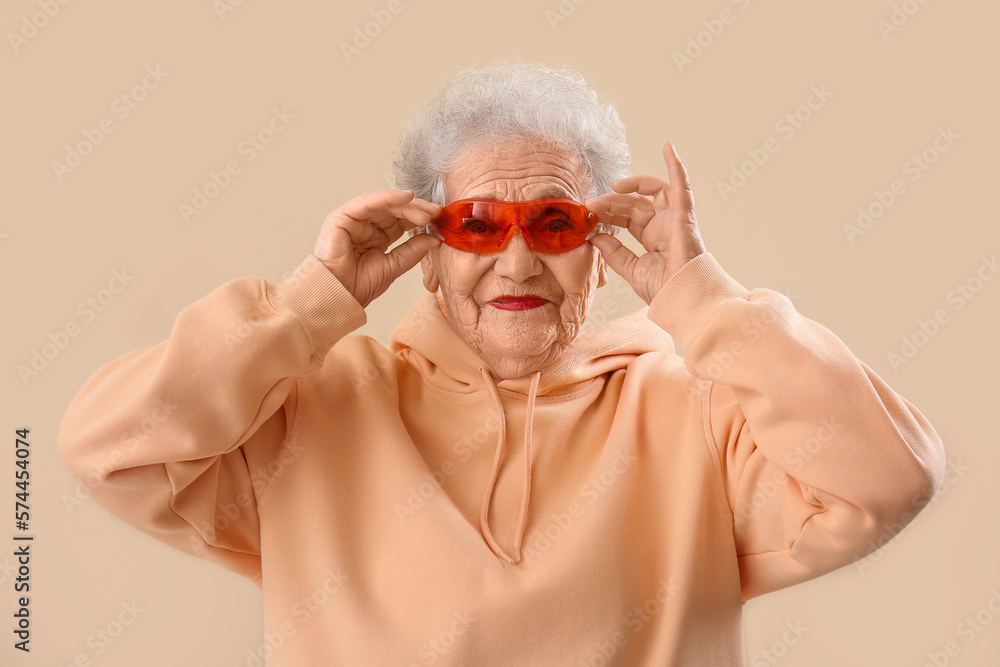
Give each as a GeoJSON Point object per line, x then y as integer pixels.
{"type": "Point", "coordinates": [668, 232]}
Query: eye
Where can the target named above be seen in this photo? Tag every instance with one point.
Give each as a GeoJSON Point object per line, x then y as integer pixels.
{"type": "Point", "coordinates": [554, 221]}
{"type": "Point", "coordinates": [557, 225]}
{"type": "Point", "coordinates": [476, 226]}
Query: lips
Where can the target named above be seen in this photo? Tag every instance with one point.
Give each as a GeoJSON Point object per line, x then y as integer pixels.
{"type": "Point", "coordinates": [526, 302]}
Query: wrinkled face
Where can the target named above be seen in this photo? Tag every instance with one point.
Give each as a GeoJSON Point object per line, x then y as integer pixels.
{"type": "Point", "coordinates": [518, 309]}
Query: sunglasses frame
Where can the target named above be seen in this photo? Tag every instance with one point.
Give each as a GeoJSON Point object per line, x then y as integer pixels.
{"type": "Point", "coordinates": [596, 227]}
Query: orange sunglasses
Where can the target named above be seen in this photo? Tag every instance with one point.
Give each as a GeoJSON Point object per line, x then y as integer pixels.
{"type": "Point", "coordinates": [483, 226]}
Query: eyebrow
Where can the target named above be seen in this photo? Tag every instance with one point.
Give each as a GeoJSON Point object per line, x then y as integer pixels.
{"type": "Point", "coordinates": [549, 191]}
{"type": "Point", "coordinates": [553, 191]}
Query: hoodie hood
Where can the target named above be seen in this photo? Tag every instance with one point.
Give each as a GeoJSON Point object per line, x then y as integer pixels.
{"type": "Point", "coordinates": [447, 363]}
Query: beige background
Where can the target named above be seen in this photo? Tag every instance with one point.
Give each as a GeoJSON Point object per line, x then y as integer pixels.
{"type": "Point", "coordinates": [783, 229]}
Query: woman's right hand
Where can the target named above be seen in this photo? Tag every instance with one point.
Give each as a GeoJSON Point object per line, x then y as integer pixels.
{"type": "Point", "coordinates": [353, 240]}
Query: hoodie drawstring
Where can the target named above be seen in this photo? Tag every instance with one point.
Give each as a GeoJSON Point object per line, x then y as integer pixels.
{"type": "Point", "coordinates": [522, 518]}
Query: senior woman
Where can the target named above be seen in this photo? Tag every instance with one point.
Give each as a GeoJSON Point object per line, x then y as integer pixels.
{"type": "Point", "coordinates": [498, 486]}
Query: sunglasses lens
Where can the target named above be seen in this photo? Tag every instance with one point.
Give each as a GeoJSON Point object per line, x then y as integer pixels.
{"type": "Point", "coordinates": [557, 227]}
{"type": "Point", "coordinates": [481, 226]}
{"type": "Point", "coordinates": [470, 226]}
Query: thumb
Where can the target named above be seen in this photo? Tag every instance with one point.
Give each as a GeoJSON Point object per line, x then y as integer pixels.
{"type": "Point", "coordinates": [405, 256]}
{"type": "Point", "coordinates": [617, 255]}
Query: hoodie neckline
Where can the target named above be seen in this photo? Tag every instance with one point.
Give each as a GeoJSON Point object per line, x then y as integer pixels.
{"type": "Point", "coordinates": [452, 365]}
{"type": "Point", "coordinates": [446, 362]}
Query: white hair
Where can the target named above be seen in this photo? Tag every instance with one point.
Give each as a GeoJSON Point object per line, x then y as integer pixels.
{"type": "Point", "coordinates": [511, 100]}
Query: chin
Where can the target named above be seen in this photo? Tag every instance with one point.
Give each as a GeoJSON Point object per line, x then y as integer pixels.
{"type": "Point", "coordinates": [522, 350]}
{"type": "Point", "coordinates": [516, 351]}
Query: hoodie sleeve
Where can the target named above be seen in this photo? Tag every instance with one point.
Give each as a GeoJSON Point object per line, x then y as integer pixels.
{"type": "Point", "coordinates": [182, 439]}
{"type": "Point", "coordinates": [821, 460]}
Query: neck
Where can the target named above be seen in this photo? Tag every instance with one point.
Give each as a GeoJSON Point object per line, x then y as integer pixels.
{"type": "Point", "coordinates": [504, 367]}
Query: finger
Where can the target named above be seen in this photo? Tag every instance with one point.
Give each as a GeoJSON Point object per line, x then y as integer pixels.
{"type": "Point", "coordinates": [670, 155]}
{"type": "Point", "coordinates": [391, 212]}
{"type": "Point", "coordinates": [405, 256]}
{"type": "Point", "coordinates": [404, 216]}
{"type": "Point", "coordinates": [631, 211]}
{"type": "Point", "coordinates": [621, 210]}
{"type": "Point", "coordinates": [676, 171]}
{"type": "Point", "coordinates": [430, 208]}
{"type": "Point", "coordinates": [617, 255]}
{"type": "Point", "coordinates": [364, 206]}
{"type": "Point", "coordinates": [643, 184]}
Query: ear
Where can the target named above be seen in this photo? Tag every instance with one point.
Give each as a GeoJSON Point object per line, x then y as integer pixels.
{"type": "Point", "coordinates": [431, 282]}
{"type": "Point", "coordinates": [602, 271]}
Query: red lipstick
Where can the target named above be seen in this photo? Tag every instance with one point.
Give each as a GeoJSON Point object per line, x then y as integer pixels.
{"type": "Point", "coordinates": [526, 302]}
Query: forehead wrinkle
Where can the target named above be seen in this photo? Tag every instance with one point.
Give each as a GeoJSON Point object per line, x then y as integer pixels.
{"type": "Point", "coordinates": [488, 187]}
{"type": "Point", "coordinates": [511, 173]}
{"type": "Point", "coordinates": [502, 190]}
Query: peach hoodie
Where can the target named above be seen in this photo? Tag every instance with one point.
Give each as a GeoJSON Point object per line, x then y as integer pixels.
{"type": "Point", "coordinates": [401, 507]}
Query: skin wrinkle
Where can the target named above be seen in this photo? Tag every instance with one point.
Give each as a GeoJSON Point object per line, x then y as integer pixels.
{"type": "Point", "coordinates": [516, 343]}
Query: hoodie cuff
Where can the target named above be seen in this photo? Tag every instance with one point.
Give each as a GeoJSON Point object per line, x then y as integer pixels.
{"type": "Point", "coordinates": [689, 298]}
{"type": "Point", "coordinates": [320, 302]}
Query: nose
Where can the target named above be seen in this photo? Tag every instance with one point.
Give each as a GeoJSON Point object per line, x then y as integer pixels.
{"type": "Point", "coordinates": [517, 261]}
